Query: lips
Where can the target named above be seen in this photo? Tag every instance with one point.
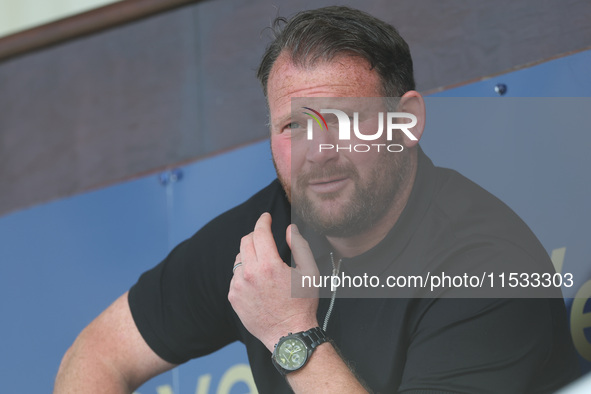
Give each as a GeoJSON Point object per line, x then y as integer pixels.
{"type": "Point", "coordinates": [331, 185]}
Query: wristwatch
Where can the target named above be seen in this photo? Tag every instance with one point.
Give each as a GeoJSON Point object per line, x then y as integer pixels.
{"type": "Point", "coordinates": [294, 350]}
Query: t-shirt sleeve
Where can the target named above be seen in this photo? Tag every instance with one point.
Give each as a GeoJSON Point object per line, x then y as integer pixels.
{"type": "Point", "coordinates": [487, 346]}
{"type": "Point", "coordinates": [180, 306]}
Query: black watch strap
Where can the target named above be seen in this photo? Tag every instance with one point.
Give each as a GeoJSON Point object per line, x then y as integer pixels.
{"type": "Point", "coordinates": [316, 336]}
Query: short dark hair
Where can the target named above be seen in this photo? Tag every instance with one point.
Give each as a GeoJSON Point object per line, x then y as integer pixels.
{"type": "Point", "coordinates": [325, 33]}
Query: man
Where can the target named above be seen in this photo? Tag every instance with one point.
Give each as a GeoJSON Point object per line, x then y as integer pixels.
{"type": "Point", "coordinates": [381, 212]}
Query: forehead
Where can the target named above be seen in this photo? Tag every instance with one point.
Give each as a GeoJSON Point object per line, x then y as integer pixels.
{"type": "Point", "coordinates": [343, 76]}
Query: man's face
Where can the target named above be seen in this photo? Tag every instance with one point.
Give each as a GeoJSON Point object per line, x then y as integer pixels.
{"type": "Point", "coordinates": [337, 193]}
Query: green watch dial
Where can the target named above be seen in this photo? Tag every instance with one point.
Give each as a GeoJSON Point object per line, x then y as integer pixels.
{"type": "Point", "coordinates": [291, 354]}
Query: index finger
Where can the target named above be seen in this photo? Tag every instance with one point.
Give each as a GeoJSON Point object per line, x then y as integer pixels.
{"type": "Point", "coordinates": [264, 243]}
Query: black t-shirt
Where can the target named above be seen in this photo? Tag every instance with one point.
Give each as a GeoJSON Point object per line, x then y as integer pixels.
{"type": "Point", "coordinates": [410, 345]}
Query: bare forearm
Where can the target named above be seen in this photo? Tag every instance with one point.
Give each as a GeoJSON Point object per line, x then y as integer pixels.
{"type": "Point", "coordinates": [325, 372]}
{"type": "Point", "coordinates": [109, 356]}
{"type": "Point", "coordinates": [80, 373]}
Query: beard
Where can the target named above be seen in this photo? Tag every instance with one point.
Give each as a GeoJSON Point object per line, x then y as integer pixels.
{"type": "Point", "coordinates": [336, 215]}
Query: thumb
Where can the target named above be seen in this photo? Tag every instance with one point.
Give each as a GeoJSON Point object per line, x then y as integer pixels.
{"type": "Point", "coordinates": [301, 252]}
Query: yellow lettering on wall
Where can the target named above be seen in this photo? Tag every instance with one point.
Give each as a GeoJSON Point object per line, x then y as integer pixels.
{"type": "Point", "coordinates": [238, 373]}
{"type": "Point", "coordinates": [166, 389]}
{"type": "Point", "coordinates": [203, 384]}
{"type": "Point", "coordinates": [557, 258]}
{"type": "Point", "coordinates": [579, 321]}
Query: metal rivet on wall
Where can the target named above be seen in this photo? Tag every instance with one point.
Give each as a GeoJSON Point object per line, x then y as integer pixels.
{"type": "Point", "coordinates": [501, 89]}
{"type": "Point", "coordinates": [171, 176]}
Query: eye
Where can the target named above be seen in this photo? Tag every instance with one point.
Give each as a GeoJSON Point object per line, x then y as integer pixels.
{"type": "Point", "coordinates": [291, 127]}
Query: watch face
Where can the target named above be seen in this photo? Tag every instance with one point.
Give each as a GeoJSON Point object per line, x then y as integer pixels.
{"type": "Point", "coordinates": [291, 354]}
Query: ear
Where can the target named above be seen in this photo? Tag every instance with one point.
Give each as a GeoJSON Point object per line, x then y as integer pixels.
{"type": "Point", "coordinates": [413, 103]}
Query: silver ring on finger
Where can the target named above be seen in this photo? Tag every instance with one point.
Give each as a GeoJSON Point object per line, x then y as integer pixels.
{"type": "Point", "coordinates": [236, 266]}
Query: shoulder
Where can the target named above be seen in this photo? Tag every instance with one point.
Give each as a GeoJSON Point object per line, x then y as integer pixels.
{"type": "Point", "coordinates": [270, 199]}
{"type": "Point", "coordinates": [479, 235]}
{"type": "Point", "coordinates": [220, 238]}
{"type": "Point", "coordinates": [240, 220]}
{"type": "Point", "coordinates": [472, 213]}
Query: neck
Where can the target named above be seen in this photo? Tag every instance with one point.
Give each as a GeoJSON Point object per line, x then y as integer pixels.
{"type": "Point", "coordinates": [355, 245]}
